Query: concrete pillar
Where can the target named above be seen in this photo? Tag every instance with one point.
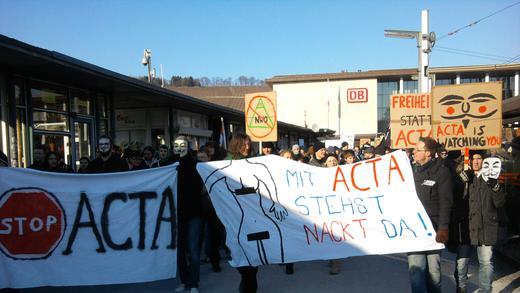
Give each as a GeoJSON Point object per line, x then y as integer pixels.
{"type": "Point", "coordinates": [457, 79]}
{"type": "Point", "coordinates": [401, 85]}
{"type": "Point", "coordinates": [517, 84]}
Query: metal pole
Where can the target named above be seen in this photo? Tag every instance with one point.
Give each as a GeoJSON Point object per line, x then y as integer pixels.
{"type": "Point", "coordinates": [424, 53]}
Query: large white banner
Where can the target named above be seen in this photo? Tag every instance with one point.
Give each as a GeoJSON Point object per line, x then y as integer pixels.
{"type": "Point", "coordinates": [74, 229]}
{"type": "Point", "coordinates": [280, 211]}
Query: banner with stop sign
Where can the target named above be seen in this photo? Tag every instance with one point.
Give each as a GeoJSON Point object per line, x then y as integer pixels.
{"type": "Point", "coordinates": [87, 229]}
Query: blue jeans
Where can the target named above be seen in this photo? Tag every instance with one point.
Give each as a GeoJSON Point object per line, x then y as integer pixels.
{"type": "Point", "coordinates": [425, 271]}
{"type": "Point", "coordinates": [485, 272]}
{"type": "Point", "coordinates": [461, 268]}
{"type": "Point", "coordinates": [188, 251]}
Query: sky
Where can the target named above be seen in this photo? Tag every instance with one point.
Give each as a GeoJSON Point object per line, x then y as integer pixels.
{"type": "Point", "coordinates": [261, 38]}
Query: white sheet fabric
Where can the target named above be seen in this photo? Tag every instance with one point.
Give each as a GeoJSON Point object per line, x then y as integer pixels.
{"type": "Point", "coordinates": [280, 211]}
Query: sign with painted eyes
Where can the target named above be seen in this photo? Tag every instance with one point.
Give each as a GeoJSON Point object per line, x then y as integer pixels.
{"type": "Point", "coordinates": [468, 115]}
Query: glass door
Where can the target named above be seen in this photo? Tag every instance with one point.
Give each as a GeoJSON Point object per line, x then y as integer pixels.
{"type": "Point", "coordinates": [83, 140]}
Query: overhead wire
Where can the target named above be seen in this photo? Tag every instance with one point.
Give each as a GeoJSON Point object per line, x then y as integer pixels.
{"type": "Point", "coordinates": [517, 57]}
{"type": "Point", "coordinates": [476, 22]}
{"type": "Point", "coordinates": [473, 55]}
{"type": "Point", "coordinates": [473, 52]}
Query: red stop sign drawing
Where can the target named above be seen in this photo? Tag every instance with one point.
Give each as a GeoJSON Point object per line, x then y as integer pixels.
{"type": "Point", "coordinates": [32, 223]}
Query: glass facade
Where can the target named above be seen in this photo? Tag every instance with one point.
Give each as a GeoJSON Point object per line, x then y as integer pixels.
{"type": "Point", "coordinates": [56, 117]}
{"type": "Point", "coordinates": [444, 81]}
{"type": "Point", "coordinates": [472, 80]}
{"type": "Point", "coordinates": [385, 89]}
{"type": "Point", "coordinates": [410, 86]}
{"type": "Point", "coordinates": [508, 85]}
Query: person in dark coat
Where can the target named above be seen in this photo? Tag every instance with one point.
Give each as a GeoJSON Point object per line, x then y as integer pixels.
{"type": "Point", "coordinates": [39, 153]}
{"type": "Point", "coordinates": [459, 241]}
{"type": "Point", "coordinates": [318, 158]}
{"type": "Point", "coordinates": [83, 165]}
{"type": "Point", "coordinates": [215, 236]}
{"type": "Point", "coordinates": [52, 163]}
{"type": "Point", "coordinates": [165, 157]}
{"type": "Point", "coordinates": [107, 162]}
{"type": "Point", "coordinates": [435, 191]}
{"type": "Point", "coordinates": [485, 197]}
{"type": "Point", "coordinates": [190, 190]}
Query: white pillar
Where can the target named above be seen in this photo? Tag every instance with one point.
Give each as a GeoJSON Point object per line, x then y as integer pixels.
{"type": "Point", "coordinates": [401, 85]}
{"type": "Point", "coordinates": [486, 79]}
{"type": "Point", "coordinates": [457, 79]}
{"type": "Point", "coordinates": [517, 84]}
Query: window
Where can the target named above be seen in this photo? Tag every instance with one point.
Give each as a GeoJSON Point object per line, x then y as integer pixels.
{"type": "Point", "coordinates": [47, 98]}
{"type": "Point", "coordinates": [50, 121]}
{"type": "Point", "coordinates": [102, 115]}
{"type": "Point", "coordinates": [384, 91]}
{"type": "Point", "coordinates": [81, 103]}
{"type": "Point", "coordinates": [508, 85]}
{"type": "Point", "coordinates": [444, 81]}
{"type": "Point", "coordinates": [410, 86]}
{"type": "Point", "coordinates": [471, 80]}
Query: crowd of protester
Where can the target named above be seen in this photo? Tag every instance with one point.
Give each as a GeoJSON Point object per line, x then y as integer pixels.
{"type": "Point", "coordinates": [461, 205]}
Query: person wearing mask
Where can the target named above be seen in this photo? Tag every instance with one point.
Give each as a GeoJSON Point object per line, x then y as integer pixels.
{"type": "Point", "coordinates": [296, 151]}
{"type": "Point", "coordinates": [435, 191]}
{"type": "Point", "coordinates": [190, 203]}
{"type": "Point", "coordinates": [485, 197]}
{"type": "Point", "coordinates": [106, 162]}
{"type": "Point", "coordinates": [318, 158]}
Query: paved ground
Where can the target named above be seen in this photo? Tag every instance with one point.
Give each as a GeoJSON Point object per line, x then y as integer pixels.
{"type": "Point", "coordinates": [388, 273]}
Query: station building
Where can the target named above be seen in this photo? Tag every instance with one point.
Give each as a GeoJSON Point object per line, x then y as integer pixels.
{"type": "Point", "coordinates": [357, 103]}
{"type": "Point", "coordinates": [50, 99]}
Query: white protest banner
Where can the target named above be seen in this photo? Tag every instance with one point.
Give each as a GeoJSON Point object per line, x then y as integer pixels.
{"type": "Point", "coordinates": [74, 229]}
{"type": "Point", "coordinates": [280, 211]}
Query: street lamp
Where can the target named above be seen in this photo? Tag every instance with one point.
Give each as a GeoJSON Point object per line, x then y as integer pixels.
{"type": "Point", "coordinates": [425, 43]}
{"type": "Point", "coordinates": [147, 60]}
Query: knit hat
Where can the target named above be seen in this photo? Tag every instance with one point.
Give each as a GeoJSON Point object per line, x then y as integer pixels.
{"type": "Point", "coordinates": [318, 145]}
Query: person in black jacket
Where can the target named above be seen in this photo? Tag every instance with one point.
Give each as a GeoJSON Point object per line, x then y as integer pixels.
{"type": "Point", "coordinates": [435, 191]}
{"type": "Point", "coordinates": [459, 241]}
{"type": "Point", "coordinates": [485, 197]}
{"type": "Point", "coordinates": [39, 153]}
{"type": "Point", "coordinates": [107, 162]}
{"type": "Point", "coordinates": [190, 190]}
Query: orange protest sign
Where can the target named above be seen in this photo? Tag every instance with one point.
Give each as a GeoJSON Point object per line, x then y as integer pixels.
{"type": "Point", "coordinates": [410, 119]}
{"type": "Point", "coordinates": [468, 115]}
{"type": "Point", "coordinates": [261, 121]}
